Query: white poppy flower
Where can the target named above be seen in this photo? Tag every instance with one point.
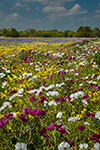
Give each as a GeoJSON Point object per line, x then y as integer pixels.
{"type": "Point", "coordinates": [63, 146]}
{"type": "Point", "coordinates": [21, 146]}
{"type": "Point", "coordinates": [59, 115]}
{"type": "Point", "coordinates": [84, 145]}
{"type": "Point", "coordinates": [73, 119]}
{"type": "Point", "coordinates": [2, 75]}
{"type": "Point", "coordinates": [52, 93]}
{"type": "Point", "coordinates": [8, 71]}
{"type": "Point", "coordinates": [97, 115]}
{"type": "Point", "coordinates": [5, 104]}
{"type": "Point", "coordinates": [52, 103]}
{"type": "Point", "coordinates": [96, 146]}
{"type": "Point", "coordinates": [20, 91]}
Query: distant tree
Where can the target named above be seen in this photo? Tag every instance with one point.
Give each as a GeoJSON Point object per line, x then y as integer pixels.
{"type": "Point", "coordinates": [4, 32]}
{"type": "Point", "coordinates": [95, 32]}
{"type": "Point", "coordinates": [76, 34]}
{"type": "Point", "coordinates": [66, 33]}
{"type": "Point", "coordinates": [39, 33]}
{"type": "Point", "coordinates": [46, 33]}
{"type": "Point", "coordinates": [84, 31]}
{"type": "Point", "coordinates": [0, 32]}
{"type": "Point", "coordinates": [71, 34]}
{"type": "Point", "coordinates": [30, 32]}
{"type": "Point", "coordinates": [60, 34]}
{"type": "Point", "coordinates": [22, 34]}
{"type": "Point", "coordinates": [13, 32]}
{"type": "Point", "coordinates": [53, 33]}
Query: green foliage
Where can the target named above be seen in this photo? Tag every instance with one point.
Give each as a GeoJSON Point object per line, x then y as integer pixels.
{"type": "Point", "coordinates": [13, 32]}
{"type": "Point", "coordinates": [82, 31]}
{"type": "Point", "coordinates": [95, 32]}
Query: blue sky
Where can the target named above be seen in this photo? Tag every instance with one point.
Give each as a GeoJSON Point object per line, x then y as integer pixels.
{"type": "Point", "coordinates": [49, 14]}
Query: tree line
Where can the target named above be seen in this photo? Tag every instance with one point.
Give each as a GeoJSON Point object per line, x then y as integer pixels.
{"type": "Point", "coordinates": [82, 31]}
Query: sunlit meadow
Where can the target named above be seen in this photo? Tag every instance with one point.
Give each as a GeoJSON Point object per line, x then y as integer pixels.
{"type": "Point", "coordinates": [50, 95]}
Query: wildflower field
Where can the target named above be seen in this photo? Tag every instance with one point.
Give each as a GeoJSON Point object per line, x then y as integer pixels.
{"type": "Point", "coordinates": [49, 95]}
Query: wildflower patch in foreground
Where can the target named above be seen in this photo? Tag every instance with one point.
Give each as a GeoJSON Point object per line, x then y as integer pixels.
{"type": "Point", "coordinates": [49, 96]}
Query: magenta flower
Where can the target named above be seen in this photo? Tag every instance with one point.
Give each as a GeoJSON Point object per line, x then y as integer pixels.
{"type": "Point", "coordinates": [33, 98]}
{"type": "Point", "coordinates": [42, 131]}
{"type": "Point", "coordinates": [14, 67]}
{"type": "Point", "coordinates": [47, 77]}
{"type": "Point", "coordinates": [9, 115]}
{"type": "Point", "coordinates": [98, 87]}
{"type": "Point", "coordinates": [84, 79]}
{"type": "Point", "coordinates": [26, 110]}
{"type": "Point", "coordinates": [42, 99]}
{"type": "Point", "coordinates": [38, 112]}
{"type": "Point", "coordinates": [23, 118]}
{"type": "Point", "coordinates": [70, 57]}
{"type": "Point", "coordinates": [41, 113]}
{"type": "Point", "coordinates": [92, 92]}
{"type": "Point", "coordinates": [94, 103]}
{"type": "Point", "coordinates": [90, 114]}
{"type": "Point", "coordinates": [76, 90]}
{"type": "Point", "coordinates": [80, 88]}
{"type": "Point", "coordinates": [70, 81]}
{"type": "Point", "coordinates": [81, 128]}
{"type": "Point", "coordinates": [62, 130]}
{"type": "Point", "coordinates": [51, 126]}
{"type": "Point", "coordinates": [52, 75]}
{"type": "Point", "coordinates": [1, 125]}
{"type": "Point", "coordinates": [3, 120]}
{"type": "Point", "coordinates": [96, 137]}
{"type": "Point", "coordinates": [49, 144]}
{"type": "Point", "coordinates": [34, 112]}
{"type": "Point", "coordinates": [13, 91]}
{"type": "Point", "coordinates": [72, 87]}
{"type": "Point", "coordinates": [61, 99]}
{"type": "Point", "coordinates": [25, 58]}
{"type": "Point", "coordinates": [58, 126]}
{"type": "Point", "coordinates": [76, 79]}
{"type": "Point", "coordinates": [85, 97]}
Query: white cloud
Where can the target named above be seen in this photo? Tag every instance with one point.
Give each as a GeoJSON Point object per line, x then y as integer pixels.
{"type": "Point", "coordinates": [53, 9]}
{"type": "Point", "coordinates": [76, 9]}
{"type": "Point", "coordinates": [14, 15]}
{"type": "Point", "coordinates": [50, 2]}
{"type": "Point", "coordinates": [97, 11]}
{"type": "Point", "coordinates": [21, 5]}
{"type": "Point", "coordinates": [18, 5]}
{"type": "Point", "coordinates": [97, 16]}
{"type": "Point", "coordinates": [58, 12]}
